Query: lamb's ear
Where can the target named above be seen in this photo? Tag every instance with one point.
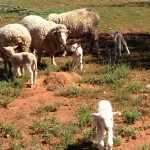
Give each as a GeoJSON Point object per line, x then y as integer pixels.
{"type": "Point", "coordinates": [15, 47]}
{"type": "Point", "coordinates": [117, 113]}
{"type": "Point", "coordinates": [95, 116]}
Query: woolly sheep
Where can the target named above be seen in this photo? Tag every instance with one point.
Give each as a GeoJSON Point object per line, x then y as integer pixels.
{"type": "Point", "coordinates": [81, 22]}
{"type": "Point", "coordinates": [119, 41]}
{"type": "Point", "coordinates": [103, 122]}
{"type": "Point", "coordinates": [11, 35]}
{"type": "Point", "coordinates": [22, 59]}
{"type": "Point", "coordinates": [47, 36]}
{"type": "Point", "coordinates": [77, 53]}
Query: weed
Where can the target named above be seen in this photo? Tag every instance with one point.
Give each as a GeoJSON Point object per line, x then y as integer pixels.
{"type": "Point", "coordinates": [83, 116]}
{"type": "Point", "coordinates": [71, 92]}
{"type": "Point", "coordinates": [144, 147]}
{"type": "Point", "coordinates": [116, 141]}
{"type": "Point", "coordinates": [87, 136]}
{"type": "Point", "coordinates": [131, 116]}
{"type": "Point", "coordinates": [7, 130]}
{"type": "Point", "coordinates": [126, 132]}
{"type": "Point", "coordinates": [46, 108]}
{"type": "Point", "coordinates": [122, 96]}
{"type": "Point", "coordinates": [135, 87]}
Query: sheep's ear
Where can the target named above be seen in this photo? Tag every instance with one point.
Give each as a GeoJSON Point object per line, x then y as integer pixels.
{"type": "Point", "coordinates": [95, 116]}
{"type": "Point", "coordinates": [15, 47]}
{"type": "Point", "coordinates": [54, 32]}
{"type": "Point", "coordinates": [117, 113]}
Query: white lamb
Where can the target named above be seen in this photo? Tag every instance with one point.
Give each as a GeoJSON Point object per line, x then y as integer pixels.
{"type": "Point", "coordinates": [19, 60]}
{"type": "Point", "coordinates": [77, 54]}
{"type": "Point", "coordinates": [103, 123]}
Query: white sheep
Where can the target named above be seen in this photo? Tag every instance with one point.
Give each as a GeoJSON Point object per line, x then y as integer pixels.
{"type": "Point", "coordinates": [11, 35]}
{"type": "Point", "coordinates": [46, 36]}
{"type": "Point", "coordinates": [19, 60]}
{"type": "Point", "coordinates": [103, 122]}
{"type": "Point", "coordinates": [77, 54]}
{"type": "Point", "coordinates": [119, 41]}
{"type": "Point", "coordinates": [81, 22]}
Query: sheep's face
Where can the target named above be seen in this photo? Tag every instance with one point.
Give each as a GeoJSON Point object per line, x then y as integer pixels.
{"type": "Point", "coordinates": [105, 119]}
{"type": "Point", "coordinates": [10, 50]}
{"type": "Point", "coordinates": [113, 33]}
{"type": "Point", "coordinates": [73, 47]}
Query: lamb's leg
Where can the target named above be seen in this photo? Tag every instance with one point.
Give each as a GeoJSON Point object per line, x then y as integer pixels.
{"type": "Point", "coordinates": [15, 71]}
{"type": "Point", "coordinates": [100, 141]}
{"type": "Point", "coordinates": [31, 73]}
{"type": "Point", "coordinates": [125, 44]}
{"type": "Point", "coordinates": [81, 65]}
{"type": "Point", "coordinates": [110, 140]}
{"type": "Point", "coordinates": [119, 48]}
{"type": "Point", "coordinates": [34, 73]}
{"type": "Point", "coordinates": [74, 60]}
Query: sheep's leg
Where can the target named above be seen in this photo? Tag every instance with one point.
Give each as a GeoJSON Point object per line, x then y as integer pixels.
{"type": "Point", "coordinates": [34, 73]}
{"type": "Point", "coordinates": [81, 65]}
{"type": "Point", "coordinates": [110, 140]}
{"type": "Point", "coordinates": [126, 47]}
{"type": "Point", "coordinates": [19, 71]}
{"type": "Point", "coordinates": [31, 73]}
{"type": "Point", "coordinates": [100, 141]}
{"type": "Point", "coordinates": [92, 42]}
{"type": "Point", "coordinates": [74, 60]}
{"type": "Point", "coordinates": [119, 48]}
{"type": "Point", "coordinates": [22, 70]}
{"type": "Point", "coordinates": [53, 61]}
{"type": "Point", "coordinates": [15, 71]}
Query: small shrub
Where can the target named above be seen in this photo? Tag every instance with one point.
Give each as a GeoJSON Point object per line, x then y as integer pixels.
{"type": "Point", "coordinates": [122, 96]}
{"type": "Point", "coordinates": [46, 108]}
{"type": "Point", "coordinates": [135, 87]}
{"type": "Point", "coordinates": [116, 141]}
{"type": "Point", "coordinates": [131, 116]}
{"type": "Point", "coordinates": [83, 116]}
{"type": "Point", "coordinates": [126, 132]}
{"type": "Point", "coordinates": [144, 147]}
{"type": "Point", "coordinates": [7, 129]}
{"type": "Point", "coordinates": [71, 92]}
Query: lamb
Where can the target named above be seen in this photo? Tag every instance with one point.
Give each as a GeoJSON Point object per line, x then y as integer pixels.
{"type": "Point", "coordinates": [77, 53]}
{"type": "Point", "coordinates": [103, 122]}
{"type": "Point", "coordinates": [22, 59]}
{"type": "Point", "coordinates": [81, 22]}
{"type": "Point", "coordinates": [47, 36]}
{"type": "Point", "coordinates": [119, 41]}
{"type": "Point", "coordinates": [11, 35]}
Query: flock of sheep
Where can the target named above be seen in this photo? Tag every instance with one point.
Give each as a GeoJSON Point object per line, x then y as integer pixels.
{"type": "Point", "coordinates": [20, 41]}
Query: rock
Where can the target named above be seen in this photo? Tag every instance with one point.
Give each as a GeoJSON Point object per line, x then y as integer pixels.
{"type": "Point", "coordinates": [147, 86]}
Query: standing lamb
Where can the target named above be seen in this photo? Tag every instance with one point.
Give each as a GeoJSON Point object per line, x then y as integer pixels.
{"type": "Point", "coordinates": [11, 35]}
{"type": "Point", "coordinates": [103, 122]}
{"type": "Point", "coordinates": [46, 36]}
{"type": "Point", "coordinates": [119, 41]}
{"type": "Point", "coordinates": [77, 54]}
{"type": "Point", "coordinates": [22, 59]}
{"type": "Point", "coordinates": [81, 22]}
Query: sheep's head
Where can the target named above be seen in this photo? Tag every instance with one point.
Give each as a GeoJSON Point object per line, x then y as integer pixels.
{"type": "Point", "coordinates": [10, 50]}
{"type": "Point", "coordinates": [113, 33]}
{"type": "Point", "coordinates": [105, 119]}
{"type": "Point", "coordinates": [61, 33]}
{"type": "Point", "coordinates": [74, 47]}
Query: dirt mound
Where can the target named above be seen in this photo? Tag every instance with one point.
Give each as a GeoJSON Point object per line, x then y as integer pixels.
{"type": "Point", "coordinates": [63, 79]}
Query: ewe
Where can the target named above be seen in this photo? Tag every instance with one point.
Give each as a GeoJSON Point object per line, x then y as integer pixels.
{"type": "Point", "coordinates": [77, 54]}
{"type": "Point", "coordinates": [14, 35]}
{"type": "Point", "coordinates": [81, 22]}
{"type": "Point", "coordinates": [19, 60]}
{"type": "Point", "coordinates": [46, 35]}
{"type": "Point", "coordinates": [103, 123]}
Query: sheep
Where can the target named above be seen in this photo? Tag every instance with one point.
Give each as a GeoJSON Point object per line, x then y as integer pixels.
{"type": "Point", "coordinates": [81, 22]}
{"type": "Point", "coordinates": [119, 41]}
{"type": "Point", "coordinates": [47, 36]}
{"type": "Point", "coordinates": [20, 60]}
{"type": "Point", "coordinates": [11, 35]}
{"type": "Point", "coordinates": [77, 53]}
{"type": "Point", "coordinates": [103, 123]}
